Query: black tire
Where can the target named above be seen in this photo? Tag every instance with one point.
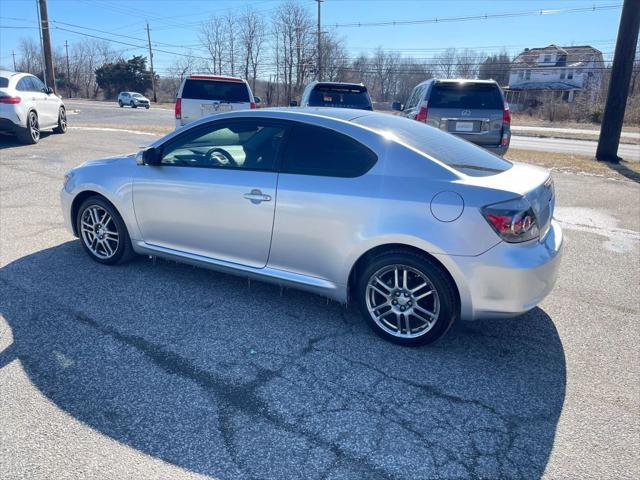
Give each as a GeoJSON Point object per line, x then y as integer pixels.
{"type": "Point", "coordinates": [440, 281]}
{"type": "Point", "coordinates": [124, 251]}
{"type": "Point", "coordinates": [62, 122]}
{"type": "Point", "coordinates": [147, 107]}
{"type": "Point", "coordinates": [133, 105]}
{"type": "Point", "coordinates": [31, 134]}
{"type": "Point", "coordinates": [120, 103]}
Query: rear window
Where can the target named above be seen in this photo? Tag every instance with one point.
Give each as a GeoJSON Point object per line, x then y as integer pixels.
{"type": "Point", "coordinates": [232, 92]}
{"type": "Point", "coordinates": [340, 96]}
{"type": "Point", "coordinates": [465, 96]}
{"type": "Point", "coordinates": [4, 82]}
{"type": "Point", "coordinates": [448, 149]}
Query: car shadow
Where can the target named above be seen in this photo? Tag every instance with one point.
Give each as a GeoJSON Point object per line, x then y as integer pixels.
{"type": "Point", "coordinates": [235, 379]}
{"type": "Point", "coordinates": [9, 141]}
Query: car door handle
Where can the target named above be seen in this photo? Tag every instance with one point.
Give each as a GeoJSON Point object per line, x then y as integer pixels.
{"type": "Point", "coordinates": [256, 196]}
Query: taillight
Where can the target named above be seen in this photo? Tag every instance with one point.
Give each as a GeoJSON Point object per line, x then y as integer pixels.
{"type": "Point", "coordinates": [506, 115]}
{"type": "Point", "coordinates": [514, 220]}
{"type": "Point", "coordinates": [253, 105]}
{"type": "Point", "coordinates": [423, 113]}
{"type": "Point", "coordinates": [10, 100]}
{"type": "Point", "coordinates": [178, 108]}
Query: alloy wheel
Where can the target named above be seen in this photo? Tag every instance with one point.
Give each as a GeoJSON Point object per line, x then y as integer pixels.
{"type": "Point", "coordinates": [63, 120]}
{"type": "Point", "coordinates": [402, 301]}
{"type": "Point", "coordinates": [34, 128]}
{"type": "Point", "coordinates": [99, 232]}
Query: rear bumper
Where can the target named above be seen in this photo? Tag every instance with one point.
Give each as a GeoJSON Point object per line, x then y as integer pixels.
{"type": "Point", "coordinates": [8, 125]}
{"type": "Point", "coordinates": [509, 279]}
{"type": "Point", "coordinates": [497, 149]}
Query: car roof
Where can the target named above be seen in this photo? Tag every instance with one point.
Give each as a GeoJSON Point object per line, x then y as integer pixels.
{"type": "Point", "coordinates": [10, 73]}
{"type": "Point", "coordinates": [308, 114]}
{"type": "Point", "coordinates": [341, 84]}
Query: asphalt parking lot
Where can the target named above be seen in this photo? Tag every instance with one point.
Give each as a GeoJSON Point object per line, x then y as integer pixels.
{"type": "Point", "coordinates": [160, 370]}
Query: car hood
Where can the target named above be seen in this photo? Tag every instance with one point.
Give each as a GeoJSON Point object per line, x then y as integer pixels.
{"type": "Point", "coordinates": [110, 161]}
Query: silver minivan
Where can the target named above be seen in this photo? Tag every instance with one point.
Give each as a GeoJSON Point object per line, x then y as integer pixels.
{"type": "Point", "coordinates": [472, 109]}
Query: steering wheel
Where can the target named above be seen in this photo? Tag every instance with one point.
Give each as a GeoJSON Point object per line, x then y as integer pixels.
{"type": "Point", "coordinates": [221, 156]}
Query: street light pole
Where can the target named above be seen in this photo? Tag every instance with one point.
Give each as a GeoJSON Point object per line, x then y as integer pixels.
{"type": "Point", "coordinates": [153, 75]}
{"type": "Point", "coordinates": [319, 34]}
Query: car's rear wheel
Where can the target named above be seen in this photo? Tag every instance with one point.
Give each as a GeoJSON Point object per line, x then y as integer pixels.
{"type": "Point", "coordinates": [120, 103]}
{"type": "Point", "coordinates": [147, 106]}
{"type": "Point", "coordinates": [102, 232]}
{"type": "Point", "coordinates": [62, 121]}
{"type": "Point", "coordinates": [406, 298]}
{"type": "Point", "coordinates": [31, 134]}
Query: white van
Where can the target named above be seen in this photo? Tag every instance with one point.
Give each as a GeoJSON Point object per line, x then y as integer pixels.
{"type": "Point", "coordinates": [201, 95]}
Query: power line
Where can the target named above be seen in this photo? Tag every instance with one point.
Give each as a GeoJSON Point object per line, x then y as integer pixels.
{"type": "Point", "coordinates": [488, 16]}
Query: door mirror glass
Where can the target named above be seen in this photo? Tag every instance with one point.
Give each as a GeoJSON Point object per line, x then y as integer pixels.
{"type": "Point", "coordinates": [257, 99]}
{"type": "Point", "coordinates": [293, 103]}
{"type": "Point", "coordinates": [397, 106]}
{"type": "Point", "coordinates": [48, 90]}
{"type": "Point", "coordinates": [151, 156]}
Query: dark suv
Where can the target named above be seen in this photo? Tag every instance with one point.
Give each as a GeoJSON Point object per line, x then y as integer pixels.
{"type": "Point", "coordinates": [336, 94]}
{"type": "Point", "coordinates": [472, 109]}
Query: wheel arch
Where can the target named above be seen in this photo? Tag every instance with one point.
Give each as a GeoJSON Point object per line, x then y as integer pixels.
{"type": "Point", "coordinates": [78, 200]}
{"type": "Point", "coordinates": [378, 250]}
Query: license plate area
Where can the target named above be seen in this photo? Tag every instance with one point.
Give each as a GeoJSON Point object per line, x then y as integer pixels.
{"type": "Point", "coordinates": [215, 107]}
{"type": "Point", "coordinates": [464, 127]}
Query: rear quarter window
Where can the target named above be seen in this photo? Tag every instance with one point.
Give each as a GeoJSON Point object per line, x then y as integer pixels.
{"type": "Point", "coordinates": [320, 151]}
{"type": "Point", "coordinates": [232, 92]}
{"type": "Point", "coordinates": [4, 82]}
{"type": "Point", "coordinates": [454, 152]}
{"type": "Point", "coordinates": [465, 96]}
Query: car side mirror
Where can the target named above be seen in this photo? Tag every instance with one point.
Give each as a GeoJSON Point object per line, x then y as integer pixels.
{"type": "Point", "coordinates": [397, 106]}
{"type": "Point", "coordinates": [151, 156]}
{"type": "Point", "coordinates": [257, 99]}
{"type": "Point", "coordinates": [48, 90]}
{"type": "Point", "coordinates": [293, 103]}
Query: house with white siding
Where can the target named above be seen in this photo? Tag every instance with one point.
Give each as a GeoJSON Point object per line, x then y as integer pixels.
{"type": "Point", "coordinates": [566, 71]}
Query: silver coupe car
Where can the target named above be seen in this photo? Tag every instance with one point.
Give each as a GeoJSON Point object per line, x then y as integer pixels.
{"type": "Point", "coordinates": [417, 227]}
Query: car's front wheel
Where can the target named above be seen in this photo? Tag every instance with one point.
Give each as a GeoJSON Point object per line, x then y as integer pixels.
{"type": "Point", "coordinates": [102, 232]}
{"type": "Point", "coordinates": [30, 135]}
{"type": "Point", "coordinates": [406, 298]}
{"type": "Point", "coordinates": [62, 121]}
{"type": "Point", "coordinates": [133, 105]}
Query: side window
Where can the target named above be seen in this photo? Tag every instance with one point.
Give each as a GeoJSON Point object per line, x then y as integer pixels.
{"type": "Point", "coordinates": [37, 85]}
{"type": "Point", "coordinates": [250, 144]}
{"type": "Point", "coordinates": [411, 102]}
{"type": "Point", "coordinates": [24, 84]}
{"type": "Point", "coordinates": [320, 151]}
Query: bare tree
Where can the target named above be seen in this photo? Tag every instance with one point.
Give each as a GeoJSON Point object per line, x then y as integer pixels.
{"type": "Point", "coordinates": [213, 35]}
{"type": "Point", "coordinates": [30, 56]}
{"type": "Point", "coordinates": [252, 31]}
{"type": "Point", "coordinates": [467, 63]}
{"type": "Point", "coordinates": [445, 63]}
{"type": "Point", "coordinates": [231, 36]}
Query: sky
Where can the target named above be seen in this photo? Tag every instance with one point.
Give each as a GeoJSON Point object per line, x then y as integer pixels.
{"type": "Point", "coordinates": [174, 24]}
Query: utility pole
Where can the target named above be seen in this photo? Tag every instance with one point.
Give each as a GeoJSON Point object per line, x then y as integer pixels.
{"type": "Point", "coordinates": [319, 33]}
{"type": "Point", "coordinates": [66, 47]}
{"type": "Point", "coordinates": [619, 83]}
{"type": "Point", "coordinates": [13, 54]}
{"type": "Point", "coordinates": [153, 75]}
{"type": "Point", "coordinates": [50, 78]}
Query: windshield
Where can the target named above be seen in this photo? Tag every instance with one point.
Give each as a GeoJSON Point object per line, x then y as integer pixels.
{"type": "Point", "coordinates": [459, 154]}
{"type": "Point", "coordinates": [466, 96]}
{"type": "Point", "coordinates": [231, 92]}
{"type": "Point", "coordinates": [137, 95]}
{"type": "Point", "coordinates": [345, 96]}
